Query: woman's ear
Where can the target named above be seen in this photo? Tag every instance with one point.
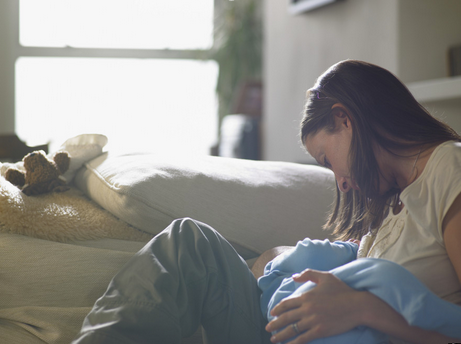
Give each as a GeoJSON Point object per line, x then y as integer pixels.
{"type": "Point", "coordinates": [342, 116]}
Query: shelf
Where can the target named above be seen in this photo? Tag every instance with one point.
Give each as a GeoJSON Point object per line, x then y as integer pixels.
{"type": "Point", "coordinates": [300, 6]}
{"type": "Point", "coordinates": [437, 89]}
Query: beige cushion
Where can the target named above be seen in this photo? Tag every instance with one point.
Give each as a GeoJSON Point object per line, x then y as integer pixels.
{"type": "Point", "coordinates": [255, 204]}
{"type": "Point", "coordinates": [60, 216]}
{"type": "Point", "coordinates": [48, 287]}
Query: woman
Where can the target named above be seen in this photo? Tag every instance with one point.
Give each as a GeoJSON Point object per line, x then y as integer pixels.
{"type": "Point", "coordinates": [386, 153]}
{"type": "Point", "coordinates": [390, 157]}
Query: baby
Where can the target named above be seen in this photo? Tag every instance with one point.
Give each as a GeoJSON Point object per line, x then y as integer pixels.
{"type": "Point", "coordinates": [387, 280]}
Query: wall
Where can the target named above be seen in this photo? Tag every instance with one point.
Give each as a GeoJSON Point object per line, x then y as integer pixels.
{"type": "Point", "coordinates": [427, 29]}
{"type": "Point", "coordinates": [7, 60]}
{"type": "Point", "coordinates": [394, 34]}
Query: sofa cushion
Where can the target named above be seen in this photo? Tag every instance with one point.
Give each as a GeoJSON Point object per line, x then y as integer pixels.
{"type": "Point", "coordinates": [256, 205]}
{"type": "Point", "coordinates": [47, 287]}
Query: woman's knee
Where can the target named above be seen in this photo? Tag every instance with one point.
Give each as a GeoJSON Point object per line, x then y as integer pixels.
{"type": "Point", "coordinates": [194, 235]}
{"type": "Point", "coordinates": [188, 227]}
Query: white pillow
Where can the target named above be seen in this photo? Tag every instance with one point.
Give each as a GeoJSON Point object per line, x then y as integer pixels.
{"type": "Point", "coordinates": [256, 205]}
{"type": "Point", "coordinates": [81, 149]}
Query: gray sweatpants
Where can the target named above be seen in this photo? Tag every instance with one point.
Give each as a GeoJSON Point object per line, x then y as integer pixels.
{"type": "Point", "coordinates": [187, 276]}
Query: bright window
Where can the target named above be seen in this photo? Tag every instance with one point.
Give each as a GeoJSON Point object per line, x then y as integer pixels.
{"type": "Point", "coordinates": [142, 104]}
{"type": "Point", "coordinates": [134, 24]}
{"type": "Point", "coordinates": [146, 103]}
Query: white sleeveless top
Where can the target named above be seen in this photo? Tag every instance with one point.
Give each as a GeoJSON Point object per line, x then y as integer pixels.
{"type": "Point", "coordinates": [413, 238]}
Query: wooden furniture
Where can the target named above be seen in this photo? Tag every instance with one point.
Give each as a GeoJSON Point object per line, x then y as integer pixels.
{"type": "Point", "coordinates": [13, 149]}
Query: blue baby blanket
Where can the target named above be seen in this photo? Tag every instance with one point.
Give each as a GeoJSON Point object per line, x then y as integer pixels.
{"type": "Point", "coordinates": [385, 279]}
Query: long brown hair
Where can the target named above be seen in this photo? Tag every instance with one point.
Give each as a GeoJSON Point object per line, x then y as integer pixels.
{"type": "Point", "coordinates": [384, 113]}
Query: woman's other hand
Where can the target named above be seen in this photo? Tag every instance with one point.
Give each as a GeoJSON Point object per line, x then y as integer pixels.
{"type": "Point", "coordinates": [355, 241]}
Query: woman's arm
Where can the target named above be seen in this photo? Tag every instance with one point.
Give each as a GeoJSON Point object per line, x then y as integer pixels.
{"type": "Point", "coordinates": [333, 308]}
{"type": "Point", "coordinates": [383, 318]}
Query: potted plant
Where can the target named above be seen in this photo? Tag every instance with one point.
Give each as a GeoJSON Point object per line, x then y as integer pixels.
{"type": "Point", "coordinates": [237, 50]}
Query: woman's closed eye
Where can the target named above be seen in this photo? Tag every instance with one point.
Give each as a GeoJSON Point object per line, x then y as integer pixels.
{"type": "Point", "coordinates": [326, 163]}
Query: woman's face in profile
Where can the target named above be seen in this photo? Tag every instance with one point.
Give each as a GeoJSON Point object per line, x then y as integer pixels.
{"type": "Point", "coordinates": [331, 150]}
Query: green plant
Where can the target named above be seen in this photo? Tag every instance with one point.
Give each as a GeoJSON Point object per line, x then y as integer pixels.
{"type": "Point", "coordinates": [237, 49]}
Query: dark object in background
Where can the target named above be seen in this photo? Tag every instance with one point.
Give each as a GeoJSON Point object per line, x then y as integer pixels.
{"type": "Point", "coordinates": [240, 137]}
{"type": "Point", "coordinates": [249, 100]}
{"type": "Point", "coordinates": [12, 149]}
{"type": "Point", "coordinates": [240, 132]}
{"type": "Point", "coordinates": [454, 60]}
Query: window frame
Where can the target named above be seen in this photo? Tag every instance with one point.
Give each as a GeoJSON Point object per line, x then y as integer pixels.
{"type": "Point", "coordinates": [17, 51]}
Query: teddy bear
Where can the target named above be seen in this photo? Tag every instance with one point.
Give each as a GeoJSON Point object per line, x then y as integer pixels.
{"type": "Point", "coordinates": [41, 174]}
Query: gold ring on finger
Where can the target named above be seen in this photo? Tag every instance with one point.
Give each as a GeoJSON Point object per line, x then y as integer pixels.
{"type": "Point", "coordinates": [295, 328]}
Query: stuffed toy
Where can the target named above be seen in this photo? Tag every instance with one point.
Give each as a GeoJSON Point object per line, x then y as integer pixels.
{"type": "Point", "coordinates": [41, 174]}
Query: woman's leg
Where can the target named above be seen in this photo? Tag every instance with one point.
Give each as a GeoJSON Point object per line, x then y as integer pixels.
{"type": "Point", "coordinates": [186, 276]}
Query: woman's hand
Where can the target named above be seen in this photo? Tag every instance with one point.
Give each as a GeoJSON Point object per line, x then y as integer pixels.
{"type": "Point", "coordinates": [331, 308]}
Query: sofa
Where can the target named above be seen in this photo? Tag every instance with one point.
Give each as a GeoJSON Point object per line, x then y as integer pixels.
{"type": "Point", "coordinates": [60, 251]}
